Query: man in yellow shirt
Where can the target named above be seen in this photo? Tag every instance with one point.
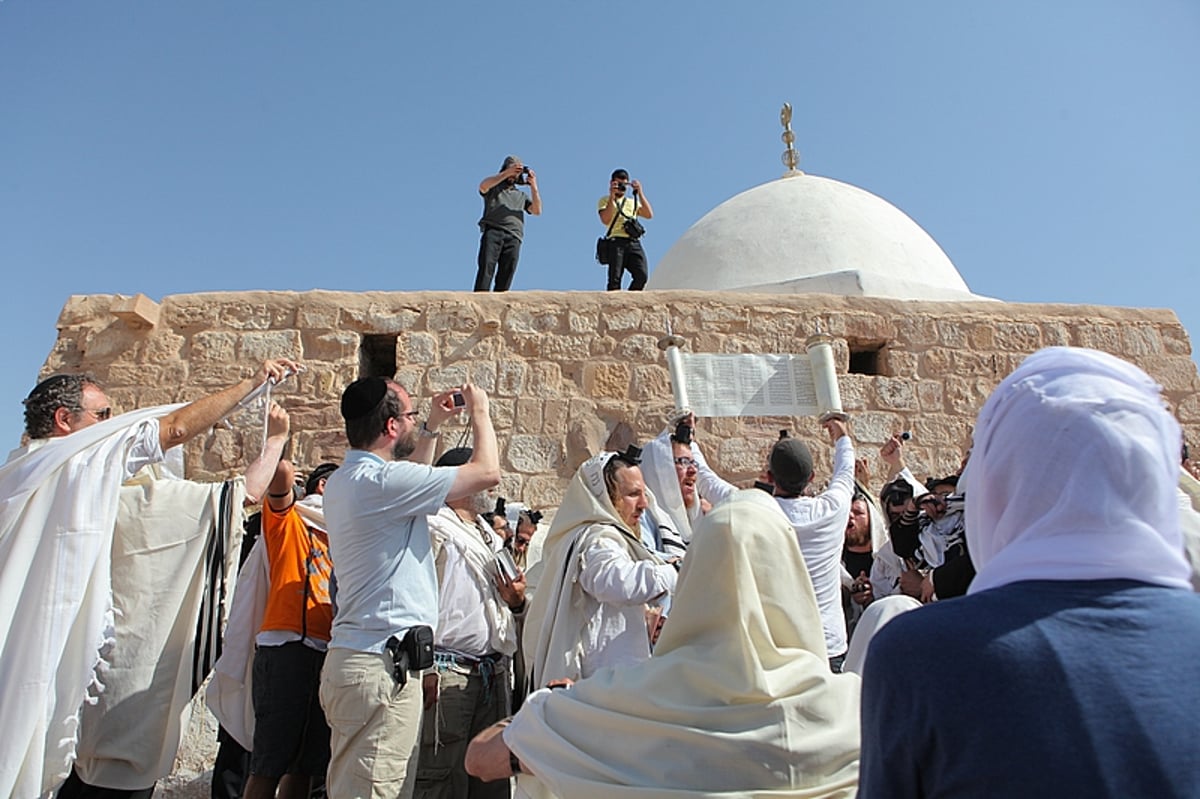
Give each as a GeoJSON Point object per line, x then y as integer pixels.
{"type": "Point", "coordinates": [619, 213]}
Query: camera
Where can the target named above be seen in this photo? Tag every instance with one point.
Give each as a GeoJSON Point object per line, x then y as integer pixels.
{"type": "Point", "coordinates": [683, 433]}
{"type": "Point", "coordinates": [622, 186]}
{"type": "Point", "coordinates": [523, 178]}
{"type": "Point", "coordinates": [458, 399]}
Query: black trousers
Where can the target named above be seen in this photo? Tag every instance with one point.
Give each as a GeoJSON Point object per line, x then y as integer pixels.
{"type": "Point", "coordinates": [627, 255]}
{"type": "Point", "coordinates": [75, 788]}
{"type": "Point", "coordinates": [497, 248]}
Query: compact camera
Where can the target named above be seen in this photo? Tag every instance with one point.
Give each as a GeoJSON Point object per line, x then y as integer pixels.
{"type": "Point", "coordinates": [523, 178]}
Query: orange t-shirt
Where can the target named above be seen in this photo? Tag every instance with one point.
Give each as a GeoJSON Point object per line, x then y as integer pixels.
{"type": "Point", "coordinates": [300, 567]}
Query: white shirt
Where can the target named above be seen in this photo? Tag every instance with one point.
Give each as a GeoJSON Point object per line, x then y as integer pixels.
{"type": "Point", "coordinates": [379, 540]}
{"type": "Point", "coordinates": [621, 587]}
{"type": "Point", "coordinates": [820, 524]}
{"type": "Point", "coordinates": [462, 621]}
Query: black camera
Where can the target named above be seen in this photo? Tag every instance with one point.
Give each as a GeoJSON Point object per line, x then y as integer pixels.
{"type": "Point", "coordinates": [622, 185]}
{"type": "Point", "coordinates": [523, 178]}
{"type": "Point", "coordinates": [683, 433]}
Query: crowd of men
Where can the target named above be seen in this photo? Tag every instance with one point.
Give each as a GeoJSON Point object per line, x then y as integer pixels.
{"type": "Point", "coordinates": [397, 631]}
{"type": "Point", "coordinates": [502, 226]}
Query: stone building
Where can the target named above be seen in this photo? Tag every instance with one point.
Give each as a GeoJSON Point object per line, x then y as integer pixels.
{"type": "Point", "coordinates": [571, 372]}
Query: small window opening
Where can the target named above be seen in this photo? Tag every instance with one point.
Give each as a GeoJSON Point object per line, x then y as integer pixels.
{"type": "Point", "coordinates": [865, 358]}
{"type": "Point", "coordinates": [377, 356]}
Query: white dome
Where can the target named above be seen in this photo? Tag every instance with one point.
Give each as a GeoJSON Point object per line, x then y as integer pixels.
{"type": "Point", "coordinates": [805, 234]}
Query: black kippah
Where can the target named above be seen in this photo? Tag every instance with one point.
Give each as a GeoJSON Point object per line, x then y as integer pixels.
{"type": "Point", "coordinates": [361, 397]}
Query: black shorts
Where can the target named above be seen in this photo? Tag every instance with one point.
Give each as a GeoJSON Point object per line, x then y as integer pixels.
{"type": "Point", "coordinates": [290, 733]}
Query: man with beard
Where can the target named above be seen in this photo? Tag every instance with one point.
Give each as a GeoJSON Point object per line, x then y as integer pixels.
{"type": "Point", "coordinates": [475, 641]}
{"type": "Point", "coordinates": [376, 510]}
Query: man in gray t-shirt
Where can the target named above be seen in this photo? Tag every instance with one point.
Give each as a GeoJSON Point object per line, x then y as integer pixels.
{"type": "Point", "coordinates": [503, 222]}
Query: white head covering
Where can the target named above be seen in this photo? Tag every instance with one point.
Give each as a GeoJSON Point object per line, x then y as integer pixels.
{"type": "Point", "coordinates": [554, 621]}
{"type": "Point", "coordinates": [1072, 475]}
{"type": "Point", "coordinates": [738, 699]}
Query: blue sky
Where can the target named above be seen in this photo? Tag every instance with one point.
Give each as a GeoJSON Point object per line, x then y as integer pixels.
{"type": "Point", "coordinates": [171, 147]}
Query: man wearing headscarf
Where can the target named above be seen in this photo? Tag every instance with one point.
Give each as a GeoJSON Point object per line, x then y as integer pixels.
{"type": "Point", "coordinates": [671, 472]}
{"type": "Point", "coordinates": [1072, 666]}
{"type": "Point", "coordinates": [738, 699]}
{"type": "Point", "coordinates": [600, 580]}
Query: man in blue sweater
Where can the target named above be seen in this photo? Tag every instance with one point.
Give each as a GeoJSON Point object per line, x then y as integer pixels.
{"type": "Point", "coordinates": [1072, 667]}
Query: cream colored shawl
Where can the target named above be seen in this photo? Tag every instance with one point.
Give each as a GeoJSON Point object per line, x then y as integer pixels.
{"type": "Point", "coordinates": [554, 624]}
{"type": "Point", "coordinates": [738, 700]}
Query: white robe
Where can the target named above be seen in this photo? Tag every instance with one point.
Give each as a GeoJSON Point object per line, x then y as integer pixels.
{"type": "Point", "coordinates": [58, 505]}
{"type": "Point", "coordinates": [737, 701]}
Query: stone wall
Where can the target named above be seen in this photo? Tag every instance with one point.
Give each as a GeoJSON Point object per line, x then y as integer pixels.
{"type": "Point", "coordinates": [572, 372]}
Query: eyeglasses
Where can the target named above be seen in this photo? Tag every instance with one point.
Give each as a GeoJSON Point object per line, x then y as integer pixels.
{"type": "Point", "coordinates": [686, 462]}
{"type": "Point", "coordinates": [101, 414]}
{"type": "Point", "coordinates": [412, 416]}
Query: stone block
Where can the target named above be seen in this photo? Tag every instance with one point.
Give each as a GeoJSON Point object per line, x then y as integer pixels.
{"type": "Point", "coordinates": [603, 346]}
{"type": "Point", "coordinates": [895, 393]}
{"type": "Point", "coordinates": [1099, 336]}
{"type": "Point", "coordinates": [899, 363]}
{"type": "Point", "coordinates": [982, 336]}
{"type": "Point", "coordinates": [503, 413]}
{"type": "Point", "coordinates": [554, 417]}
{"type": "Point", "coordinates": [917, 330]}
{"type": "Point", "coordinates": [953, 333]}
{"type": "Point", "coordinates": [534, 454]}
{"type": "Point", "coordinates": [510, 377]}
{"type": "Point", "coordinates": [929, 396]}
{"type": "Point", "coordinates": [1138, 341]}
{"type": "Point", "coordinates": [256, 347]}
{"type": "Point", "coordinates": [163, 348]}
{"type": "Point", "coordinates": [332, 345]}
{"type": "Point", "coordinates": [483, 374]}
{"type": "Point", "coordinates": [935, 363]}
{"type": "Point", "coordinates": [610, 380]}
{"type": "Point", "coordinates": [1023, 337]}
{"type": "Point", "coordinates": [621, 320]}
{"type": "Point", "coordinates": [876, 427]}
{"type": "Point", "coordinates": [855, 391]}
{"type": "Point", "coordinates": [455, 315]}
{"type": "Point", "coordinates": [416, 347]}
{"type": "Point", "coordinates": [1055, 334]}
{"type": "Point", "coordinates": [582, 322]}
{"type": "Point", "coordinates": [317, 316]}
{"type": "Point", "coordinates": [138, 312]}
{"type": "Point", "coordinates": [651, 384]}
{"type": "Point", "coordinates": [528, 417]}
{"type": "Point", "coordinates": [443, 378]}
{"type": "Point", "coordinates": [640, 348]}
{"type": "Point", "coordinates": [544, 380]}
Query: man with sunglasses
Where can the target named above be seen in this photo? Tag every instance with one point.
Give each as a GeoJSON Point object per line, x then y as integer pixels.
{"type": "Point", "coordinates": [376, 509]}
{"type": "Point", "coordinates": [98, 542]}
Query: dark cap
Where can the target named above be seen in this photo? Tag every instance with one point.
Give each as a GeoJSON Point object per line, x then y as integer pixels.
{"type": "Point", "coordinates": [895, 492]}
{"type": "Point", "coordinates": [620, 174]}
{"type": "Point", "coordinates": [324, 470]}
{"type": "Point", "coordinates": [455, 457]}
{"type": "Point", "coordinates": [791, 464]}
{"type": "Point", "coordinates": [362, 396]}
{"type": "Point", "coordinates": [509, 160]}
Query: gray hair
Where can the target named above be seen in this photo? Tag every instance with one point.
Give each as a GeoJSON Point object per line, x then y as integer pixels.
{"type": "Point", "coordinates": [56, 391]}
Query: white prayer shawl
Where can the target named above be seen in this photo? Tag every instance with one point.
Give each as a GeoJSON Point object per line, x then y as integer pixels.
{"type": "Point", "coordinates": [1073, 476]}
{"type": "Point", "coordinates": [229, 694]}
{"type": "Point", "coordinates": [174, 560]}
{"type": "Point", "coordinates": [737, 701]}
{"type": "Point", "coordinates": [58, 505]}
{"type": "Point", "coordinates": [560, 611]}
{"type": "Point", "coordinates": [447, 529]}
{"type": "Point", "coordinates": [658, 471]}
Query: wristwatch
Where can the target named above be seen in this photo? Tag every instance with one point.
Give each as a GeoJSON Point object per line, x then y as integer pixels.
{"type": "Point", "coordinates": [424, 432]}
